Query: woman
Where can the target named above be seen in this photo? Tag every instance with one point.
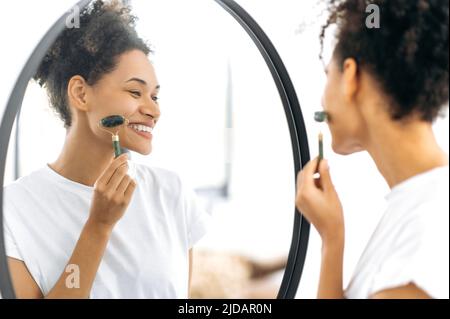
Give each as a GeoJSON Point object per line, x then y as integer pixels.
{"type": "Point", "coordinates": [81, 226]}
{"type": "Point", "coordinates": [385, 87]}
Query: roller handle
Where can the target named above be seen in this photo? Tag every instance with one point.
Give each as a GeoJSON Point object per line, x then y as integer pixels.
{"type": "Point", "coordinates": [116, 146]}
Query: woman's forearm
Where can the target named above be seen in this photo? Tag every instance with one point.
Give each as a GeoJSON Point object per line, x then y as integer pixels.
{"type": "Point", "coordinates": [331, 283]}
{"type": "Point", "coordinates": [84, 262]}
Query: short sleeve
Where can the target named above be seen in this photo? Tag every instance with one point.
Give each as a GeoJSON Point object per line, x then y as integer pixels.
{"type": "Point", "coordinates": [197, 218]}
{"type": "Point", "coordinates": [420, 256]}
{"type": "Point", "coordinates": [12, 250]}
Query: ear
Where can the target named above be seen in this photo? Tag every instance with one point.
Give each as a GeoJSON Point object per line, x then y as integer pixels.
{"type": "Point", "coordinates": [350, 79]}
{"type": "Point", "coordinates": [77, 92]}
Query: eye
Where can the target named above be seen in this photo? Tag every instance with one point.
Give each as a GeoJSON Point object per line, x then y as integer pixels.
{"type": "Point", "coordinates": [136, 93]}
{"type": "Point", "coordinates": [155, 98]}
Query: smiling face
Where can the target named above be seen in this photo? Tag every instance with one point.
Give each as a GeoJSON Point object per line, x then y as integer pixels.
{"type": "Point", "coordinates": [131, 90]}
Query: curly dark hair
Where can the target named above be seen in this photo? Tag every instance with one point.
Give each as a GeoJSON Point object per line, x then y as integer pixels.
{"type": "Point", "coordinates": [107, 30]}
{"type": "Point", "coordinates": [408, 55]}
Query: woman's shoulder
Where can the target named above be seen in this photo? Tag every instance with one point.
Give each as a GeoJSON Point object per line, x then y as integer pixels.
{"type": "Point", "coordinates": [423, 226]}
{"type": "Point", "coordinates": [418, 217]}
{"type": "Point", "coordinates": [24, 183]}
{"type": "Point", "coordinates": [161, 176]}
{"type": "Point", "coordinates": [432, 203]}
{"type": "Point", "coordinates": [421, 196]}
{"type": "Point", "coordinates": [22, 194]}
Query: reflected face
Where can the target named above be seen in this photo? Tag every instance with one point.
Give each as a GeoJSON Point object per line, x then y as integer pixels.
{"type": "Point", "coordinates": [345, 121]}
{"type": "Point", "coordinates": [131, 90]}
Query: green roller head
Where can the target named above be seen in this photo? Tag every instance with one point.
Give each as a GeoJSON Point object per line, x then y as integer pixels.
{"type": "Point", "coordinates": [320, 116]}
{"type": "Point", "coordinates": [112, 121]}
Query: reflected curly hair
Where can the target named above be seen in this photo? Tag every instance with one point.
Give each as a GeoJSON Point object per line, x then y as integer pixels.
{"type": "Point", "coordinates": [408, 55]}
{"type": "Point", "coordinates": [107, 30]}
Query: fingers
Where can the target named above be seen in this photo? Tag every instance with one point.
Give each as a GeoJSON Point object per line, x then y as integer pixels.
{"type": "Point", "coordinates": [129, 191]}
{"type": "Point", "coordinates": [122, 187]}
{"type": "Point", "coordinates": [310, 168]}
{"type": "Point", "coordinates": [306, 175]}
{"type": "Point", "coordinates": [118, 176]}
{"type": "Point", "coordinates": [306, 178]}
{"type": "Point", "coordinates": [325, 178]}
{"type": "Point", "coordinates": [107, 174]}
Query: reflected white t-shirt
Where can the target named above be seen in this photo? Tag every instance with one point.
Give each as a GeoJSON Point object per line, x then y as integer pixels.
{"type": "Point", "coordinates": [411, 241]}
{"type": "Point", "coordinates": [147, 254]}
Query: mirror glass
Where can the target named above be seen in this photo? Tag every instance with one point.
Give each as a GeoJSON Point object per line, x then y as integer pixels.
{"type": "Point", "coordinates": [222, 129]}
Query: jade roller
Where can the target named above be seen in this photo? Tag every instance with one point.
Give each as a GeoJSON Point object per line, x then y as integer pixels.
{"type": "Point", "coordinates": [114, 122]}
{"type": "Point", "coordinates": [320, 117]}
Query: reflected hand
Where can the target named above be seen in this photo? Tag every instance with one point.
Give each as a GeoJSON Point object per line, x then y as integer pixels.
{"type": "Point", "coordinates": [318, 201]}
{"type": "Point", "coordinates": [112, 193]}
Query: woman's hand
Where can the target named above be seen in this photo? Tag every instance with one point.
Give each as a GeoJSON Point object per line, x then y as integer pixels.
{"type": "Point", "coordinates": [318, 201]}
{"type": "Point", "coordinates": [112, 193]}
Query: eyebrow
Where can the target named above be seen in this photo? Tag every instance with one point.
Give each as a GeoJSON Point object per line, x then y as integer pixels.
{"type": "Point", "coordinates": [142, 82]}
{"type": "Point", "coordinates": [137, 80]}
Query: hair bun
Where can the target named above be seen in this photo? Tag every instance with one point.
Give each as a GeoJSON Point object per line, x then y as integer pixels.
{"type": "Point", "coordinates": [106, 31]}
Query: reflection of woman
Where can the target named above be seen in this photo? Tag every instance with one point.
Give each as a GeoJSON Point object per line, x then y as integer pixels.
{"type": "Point", "coordinates": [385, 87]}
{"type": "Point", "coordinates": [81, 226]}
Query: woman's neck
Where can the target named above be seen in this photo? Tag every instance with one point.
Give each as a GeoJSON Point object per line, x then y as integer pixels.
{"type": "Point", "coordinates": [402, 151]}
{"type": "Point", "coordinates": [83, 159]}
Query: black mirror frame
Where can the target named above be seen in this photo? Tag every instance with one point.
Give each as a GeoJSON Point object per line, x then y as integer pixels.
{"type": "Point", "coordinates": [297, 129]}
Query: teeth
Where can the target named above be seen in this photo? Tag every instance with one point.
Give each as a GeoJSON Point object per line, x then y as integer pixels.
{"type": "Point", "coordinates": [141, 128]}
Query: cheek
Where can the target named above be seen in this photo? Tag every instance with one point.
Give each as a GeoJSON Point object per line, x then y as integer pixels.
{"type": "Point", "coordinates": [331, 98]}
{"type": "Point", "coordinates": [332, 104]}
{"type": "Point", "coordinates": [340, 123]}
{"type": "Point", "coordinates": [108, 102]}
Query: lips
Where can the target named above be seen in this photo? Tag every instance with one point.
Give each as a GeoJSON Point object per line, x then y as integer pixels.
{"type": "Point", "coordinates": [143, 129]}
{"type": "Point", "coordinates": [150, 123]}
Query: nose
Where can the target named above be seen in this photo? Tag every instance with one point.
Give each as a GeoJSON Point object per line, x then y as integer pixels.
{"type": "Point", "coordinates": [151, 108]}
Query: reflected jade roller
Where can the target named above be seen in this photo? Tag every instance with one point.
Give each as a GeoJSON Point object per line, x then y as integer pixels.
{"type": "Point", "coordinates": [113, 124]}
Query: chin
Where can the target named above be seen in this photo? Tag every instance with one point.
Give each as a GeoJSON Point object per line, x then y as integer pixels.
{"type": "Point", "coordinates": [346, 149]}
{"type": "Point", "coordinates": [142, 150]}
{"type": "Point", "coordinates": [145, 151]}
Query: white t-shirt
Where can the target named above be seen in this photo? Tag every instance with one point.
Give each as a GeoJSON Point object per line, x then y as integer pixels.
{"type": "Point", "coordinates": [147, 254]}
{"type": "Point", "coordinates": [411, 241]}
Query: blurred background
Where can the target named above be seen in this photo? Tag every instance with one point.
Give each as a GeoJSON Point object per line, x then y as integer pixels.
{"type": "Point", "coordinates": [223, 129]}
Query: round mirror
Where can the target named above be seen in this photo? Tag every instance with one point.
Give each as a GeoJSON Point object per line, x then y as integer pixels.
{"type": "Point", "coordinates": [230, 129]}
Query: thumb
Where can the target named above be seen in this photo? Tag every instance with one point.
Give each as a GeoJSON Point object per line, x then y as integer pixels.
{"type": "Point", "coordinates": [325, 178]}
